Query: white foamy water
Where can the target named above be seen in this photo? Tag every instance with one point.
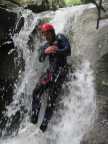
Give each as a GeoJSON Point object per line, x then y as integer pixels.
{"type": "Point", "coordinates": [79, 105]}
{"type": "Point", "coordinates": [76, 118]}
{"type": "Point", "coordinates": [27, 78]}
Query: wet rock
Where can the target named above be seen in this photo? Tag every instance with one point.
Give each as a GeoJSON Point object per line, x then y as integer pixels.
{"type": "Point", "coordinates": [99, 133]}
{"type": "Point", "coordinates": [6, 26]}
{"type": "Point", "coordinates": [10, 125]}
{"type": "Point", "coordinates": [9, 62]}
{"type": "Point", "coordinates": [8, 4]}
{"type": "Point", "coordinates": [46, 5]}
{"type": "Point", "coordinates": [8, 53]}
{"type": "Point", "coordinates": [86, 1]}
{"type": "Point", "coordinates": [36, 6]}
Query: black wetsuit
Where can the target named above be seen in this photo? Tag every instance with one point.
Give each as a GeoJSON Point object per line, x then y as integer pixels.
{"type": "Point", "coordinates": [52, 79]}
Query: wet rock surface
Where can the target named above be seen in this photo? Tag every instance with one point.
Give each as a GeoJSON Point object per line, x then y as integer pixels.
{"type": "Point", "coordinates": [46, 5]}
{"type": "Point", "coordinates": [9, 62]}
{"type": "Point", "coordinates": [8, 4]}
{"type": "Point", "coordinates": [6, 26]}
{"type": "Point", "coordinates": [35, 5]}
{"type": "Point", "coordinates": [99, 133]}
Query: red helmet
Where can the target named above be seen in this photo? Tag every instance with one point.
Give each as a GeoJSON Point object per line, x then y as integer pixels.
{"type": "Point", "coordinates": [46, 27]}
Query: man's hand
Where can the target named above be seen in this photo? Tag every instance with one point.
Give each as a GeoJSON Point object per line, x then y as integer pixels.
{"type": "Point", "coordinates": [51, 49]}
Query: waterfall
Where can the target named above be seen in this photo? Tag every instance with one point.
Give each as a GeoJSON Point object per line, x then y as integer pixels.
{"type": "Point", "coordinates": [77, 112]}
{"type": "Point", "coordinates": [27, 79]}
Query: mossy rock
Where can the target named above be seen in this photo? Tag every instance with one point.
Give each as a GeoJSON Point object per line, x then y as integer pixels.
{"type": "Point", "coordinates": [86, 1]}
{"type": "Point", "coordinates": [72, 2]}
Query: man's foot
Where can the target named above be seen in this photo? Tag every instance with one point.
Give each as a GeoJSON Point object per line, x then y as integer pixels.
{"type": "Point", "coordinates": [44, 124]}
{"type": "Point", "coordinates": [43, 128]}
{"type": "Point", "coordinates": [34, 119]}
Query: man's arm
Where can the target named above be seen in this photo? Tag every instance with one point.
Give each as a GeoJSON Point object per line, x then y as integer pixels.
{"type": "Point", "coordinates": [63, 46]}
{"type": "Point", "coordinates": [41, 54]}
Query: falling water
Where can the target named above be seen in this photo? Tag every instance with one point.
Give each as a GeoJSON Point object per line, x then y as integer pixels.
{"type": "Point", "coordinates": [77, 112]}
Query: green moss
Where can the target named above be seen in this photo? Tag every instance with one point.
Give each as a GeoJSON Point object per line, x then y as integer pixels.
{"type": "Point", "coordinates": [86, 1]}
{"type": "Point", "coordinates": [72, 2]}
{"type": "Point", "coordinates": [46, 20]}
{"type": "Point", "coordinates": [23, 1]}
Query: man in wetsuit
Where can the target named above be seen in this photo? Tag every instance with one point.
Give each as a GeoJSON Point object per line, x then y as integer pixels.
{"type": "Point", "coordinates": [56, 48]}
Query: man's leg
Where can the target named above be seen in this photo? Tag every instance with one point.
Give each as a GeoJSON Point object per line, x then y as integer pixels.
{"type": "Point", "coordinates": [49, 109]}
{"type": "Point", "coordinates": [54, 91]}
{"type": "Point", "coordinates": [36, 103]}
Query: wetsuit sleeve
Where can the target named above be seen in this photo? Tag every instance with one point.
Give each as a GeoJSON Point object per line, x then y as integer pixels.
{"type": "Point", "coordinates": [63, 45]}
{"type": "Point", "coordinates": [41, 54]}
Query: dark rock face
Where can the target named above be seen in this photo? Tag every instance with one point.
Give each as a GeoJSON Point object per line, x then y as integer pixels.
{"type": "Point", "coordinates": [7, 23]}
{"type": "Point", "coordinates": [36, 6]}
{"type": "Point", "coordinates": [9, 67]}
{"type": "Point", "coordinates": [8, 4]}
{"type": "Point", "coordinates": [46, 5]}
{"type": "Point", "coordinates": [6, 26]}
{"type": "Point", "coordinates": [86, 1]}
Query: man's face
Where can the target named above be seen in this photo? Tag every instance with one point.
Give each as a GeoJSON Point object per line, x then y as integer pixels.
{"type": "Point", "coordinates": [48, 36]}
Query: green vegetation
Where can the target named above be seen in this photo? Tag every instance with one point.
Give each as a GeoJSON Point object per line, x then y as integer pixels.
{"type": "Point", "coordinates": [72, 2]}
{"type": "Point", "coordinates": [45, 20]}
